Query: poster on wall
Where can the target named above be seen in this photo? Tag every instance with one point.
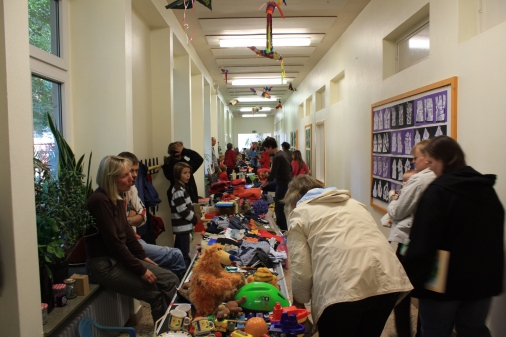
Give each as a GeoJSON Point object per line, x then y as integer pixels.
{"type": "Point", "coordinates": [307, 145]}
{"type": "Point", "coordinates": [294, 139]}
{"type": "Point", "coordinates": [398, 123]}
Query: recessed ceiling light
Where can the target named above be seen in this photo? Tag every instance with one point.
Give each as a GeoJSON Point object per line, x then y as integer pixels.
{"type": "Point", "coordinates": [254, 115]}
{"type": "Point", "coordinates": [276, 42]}
{"type": "Point", "coordinates": [251, 108]}
{"type": "Point", "coordinates": [256, 99]}
{"type": "Point", "coordinates": [258, 81]}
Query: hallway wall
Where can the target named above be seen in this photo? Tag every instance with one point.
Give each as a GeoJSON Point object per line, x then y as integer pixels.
{"type": "Point", "coordinates": [477, 61]}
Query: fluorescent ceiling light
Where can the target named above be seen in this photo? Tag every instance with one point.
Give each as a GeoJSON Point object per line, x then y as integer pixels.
{"type": "Point", "coordinates": [256, 99]}
{"type": "Point", "coordinates": [259, 81]}
{"type": "Point", "coordinates": [276, 42]}
{"type": "Point", "coordinates": [255, 115]}
{"type": "Point", "coordinates": [249, 109]}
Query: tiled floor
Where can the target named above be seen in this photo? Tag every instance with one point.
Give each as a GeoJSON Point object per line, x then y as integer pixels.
{"type": "Point", "coordinates": [145, 325]}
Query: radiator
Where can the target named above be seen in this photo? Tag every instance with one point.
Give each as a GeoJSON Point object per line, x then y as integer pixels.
{"type": "Point", "coordinates": [105, 307]}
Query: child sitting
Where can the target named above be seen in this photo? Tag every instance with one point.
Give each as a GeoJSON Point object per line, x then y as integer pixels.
{"type": "Point", "coordinates": [181, 206]}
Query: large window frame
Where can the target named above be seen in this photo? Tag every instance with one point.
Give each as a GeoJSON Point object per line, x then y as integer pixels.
{"type": "Point", "coordinates": [55, 68]}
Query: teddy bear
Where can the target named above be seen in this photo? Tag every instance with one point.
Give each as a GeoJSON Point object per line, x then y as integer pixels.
{"type": "Point", "coordinates": [264, 275]}
{"type": "Point", "coordinates": [210, 284]}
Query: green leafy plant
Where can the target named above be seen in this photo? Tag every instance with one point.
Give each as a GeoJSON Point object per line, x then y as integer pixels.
{"type": "Point", "coordinates": [59, 203]}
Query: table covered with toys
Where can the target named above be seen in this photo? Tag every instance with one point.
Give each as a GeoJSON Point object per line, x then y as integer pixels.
{"type": "Point", "coordinates": [235, 285]}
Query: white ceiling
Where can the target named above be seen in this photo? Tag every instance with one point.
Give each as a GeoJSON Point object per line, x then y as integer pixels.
{"type": "Point", "coordinates": [323, 21]}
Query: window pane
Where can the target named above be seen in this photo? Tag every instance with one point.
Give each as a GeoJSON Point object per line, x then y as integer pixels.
{"type": "Point", "coordinates": [414, 49]}
{"type": "Point", "coordinates": [46, 99]}
{"type": "Point", "coordinates": [43, 25]}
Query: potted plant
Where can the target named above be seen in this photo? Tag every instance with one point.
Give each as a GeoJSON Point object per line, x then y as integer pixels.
{"type": "Point", "coordinates": [59, 204]}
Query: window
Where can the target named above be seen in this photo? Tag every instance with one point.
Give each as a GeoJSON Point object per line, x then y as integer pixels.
{"type": "Point", "coordinates": [43, 25]}
{"type": "Point", "coordinates": [48, 37]}
{"type": "Point", "coordinates": [413, 48]}
{"type": "Point", "coordinates": [407, 44]}
{"type": "Point", "coordinates": [46, 98]}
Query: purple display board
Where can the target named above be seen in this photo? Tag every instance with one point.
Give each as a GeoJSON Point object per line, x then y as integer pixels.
{"type": "Point", "coordinates": [398, 124]}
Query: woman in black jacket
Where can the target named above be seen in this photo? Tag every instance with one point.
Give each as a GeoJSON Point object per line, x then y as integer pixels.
{"type": "Point", "coordinates": [178, 153]}
{"type": "Point", "coordinates": [460, 213]}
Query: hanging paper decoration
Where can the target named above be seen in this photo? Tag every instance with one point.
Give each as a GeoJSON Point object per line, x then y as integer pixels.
{"type": "Point", "coordinates": [279, 106]}
{"type": "Point", "coordinates": [290, 87]}
{"type": "Point", "coordinates": [265, 92]}
{"type": "Point", "coordinates": [256, 109]}
{"type": "Point", "coordinates": [233, 102]}
{"type": "Point", "coordinates": [253, 91]}
{"type": "Point", "coordinates": [225, 72]}
{"type": "Point", "coordinates": [269, 48]}
{"type": "Point", "coordinates": [183, 4]}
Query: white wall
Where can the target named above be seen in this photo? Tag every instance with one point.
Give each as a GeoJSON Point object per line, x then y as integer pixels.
{"type": "Point", "coordinates": [141, 88]}
{"type": "Point", "coordinates": [19, 277]}
{"type": "Point", "coordinates": [247, 125]}
{"type": "Point", "coordinates": [477, 62]}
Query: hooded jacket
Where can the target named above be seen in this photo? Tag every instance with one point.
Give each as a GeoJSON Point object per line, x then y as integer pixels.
{"type": "Point", "coordinates": [460, 213]}
{"type": "Point", "coordinates": [403, 209]}
{"type": "Point", "coordinates": [337, 252]}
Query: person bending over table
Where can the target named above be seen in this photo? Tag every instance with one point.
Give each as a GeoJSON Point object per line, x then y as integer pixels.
{"type": "Point", "coordinates": [340, 261]}
{"type": "Point", "coordinates": [117, 260]}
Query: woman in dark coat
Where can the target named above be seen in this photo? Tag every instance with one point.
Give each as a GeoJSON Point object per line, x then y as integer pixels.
{"type": "Point", "coordinates": [178, 153]}
{"type": "Point", "coordinates": [459, 213]}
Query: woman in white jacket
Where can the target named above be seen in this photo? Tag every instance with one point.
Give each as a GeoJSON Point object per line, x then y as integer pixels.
{"type": "Point", "coordinates": [402, 211]}
{"type": "Point", "coordinates": [340, 261]}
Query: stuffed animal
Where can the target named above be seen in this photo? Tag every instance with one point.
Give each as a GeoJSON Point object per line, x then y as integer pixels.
{"type": "Point", "coordinates": [264, 275]}
{"type": "Point", "coordinates": [211, 285]}
{"type": "Point", "coordinates": [230, 308]}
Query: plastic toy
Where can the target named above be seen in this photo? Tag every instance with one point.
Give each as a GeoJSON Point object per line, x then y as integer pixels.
{"type": "Point", "coordinates": [239, 333]}
{"type": "Point", "coordinates": [301, 314]}
{"type": "Point", "coordinates": [261, 296]}
{"type": "Point", "coordinates": [288, 326]}
{"type": "Point", "coordinates": [256, 326]}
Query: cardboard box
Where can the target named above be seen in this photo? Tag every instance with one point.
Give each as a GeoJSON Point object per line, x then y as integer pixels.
{"type": "Point", "coordinates": [82, 284]}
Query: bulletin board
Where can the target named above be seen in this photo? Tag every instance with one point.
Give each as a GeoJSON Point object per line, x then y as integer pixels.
{"type": "Point", "coordinates": [307, 145]}
{"type": "Point", "coordinates": [398, 123]}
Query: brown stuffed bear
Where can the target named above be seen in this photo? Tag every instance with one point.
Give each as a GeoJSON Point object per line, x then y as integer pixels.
{"type": "Point", "coordinates": [210, 284]}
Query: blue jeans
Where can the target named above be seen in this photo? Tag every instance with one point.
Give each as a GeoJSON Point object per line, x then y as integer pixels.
{"type": "Point", "coordinates": [166, 257]}
{"type": "Point", "coordinates": [280, 207]}
{"type": "Point", "coordinates": [438, 317]}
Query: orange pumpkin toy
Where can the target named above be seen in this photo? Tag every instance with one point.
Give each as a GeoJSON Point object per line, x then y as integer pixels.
{"type": "Point", "coordinates": [211, 285]}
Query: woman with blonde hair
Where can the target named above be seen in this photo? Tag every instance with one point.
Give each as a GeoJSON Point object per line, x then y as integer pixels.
{"type": "Point", "coordinates": [340, 261]}
{"type": "Point", "coordinates": [116, 258]}
{"type": "Point", "coordinates": [298, 165]}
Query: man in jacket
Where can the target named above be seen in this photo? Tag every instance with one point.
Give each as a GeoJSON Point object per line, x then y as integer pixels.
{"type": "Point", "coordinates": [281, 172]}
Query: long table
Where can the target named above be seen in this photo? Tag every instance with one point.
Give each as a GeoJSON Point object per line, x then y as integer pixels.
{"type": "Point", "coordinates": [278, 268]}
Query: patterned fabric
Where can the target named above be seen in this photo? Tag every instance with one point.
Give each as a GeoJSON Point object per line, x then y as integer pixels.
{"type": "Point", "coordinates": [183, 217]}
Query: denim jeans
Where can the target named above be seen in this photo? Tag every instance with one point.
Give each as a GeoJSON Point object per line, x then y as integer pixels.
{"type": "Point", "coordinates": [280, 207]}
{"type": "Point", "coordinates": [166, 257]}
{"type": "Point", "coordinates": [438, 317]}
{"type": "Point", "coordinates": [114, 275]}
